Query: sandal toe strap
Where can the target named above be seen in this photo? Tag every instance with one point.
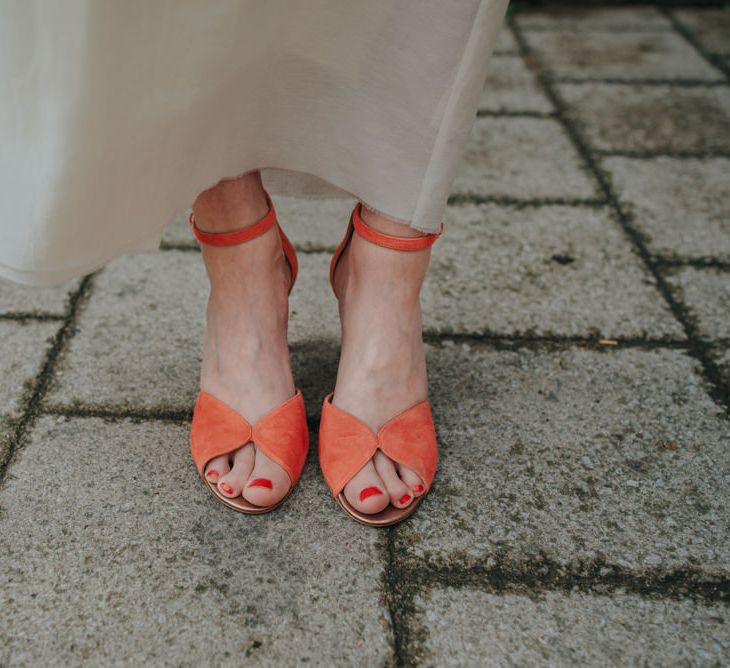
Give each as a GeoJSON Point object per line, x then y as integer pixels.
{"type": "Point", "coordinates": [346, 444]}
{"type": "Point", "coordinates": [282, 433]}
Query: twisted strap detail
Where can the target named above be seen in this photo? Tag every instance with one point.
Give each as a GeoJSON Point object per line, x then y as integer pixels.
{"type": "Point", "coordinates": [346, 444]}
{"type": "Point", "coordinates": [219, 430]}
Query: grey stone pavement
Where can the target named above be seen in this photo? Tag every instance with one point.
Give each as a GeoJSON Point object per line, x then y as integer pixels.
{"type": "Point", "coordinates": [577, 317]}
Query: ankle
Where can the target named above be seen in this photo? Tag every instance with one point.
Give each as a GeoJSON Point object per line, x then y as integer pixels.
{"type": "Point", "coordinates": [386, 225]}
{"type": "Point", "coordinates": [392, 279]}
{"type": "Point", "coordinates": [257, 265]}
{"type": "Point", "coordinates": [231, 204]}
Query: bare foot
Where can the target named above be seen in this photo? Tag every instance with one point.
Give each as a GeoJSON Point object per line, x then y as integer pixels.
{"type": "Point", "coordinates": [245, 352]}
{"type": "Point", "coordinates": [382, 369]}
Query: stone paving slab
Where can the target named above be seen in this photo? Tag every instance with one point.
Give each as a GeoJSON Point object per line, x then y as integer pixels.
{"type": "Point", "coordinates": [651, 118]}
{"type": "Point", "coordinates": [468, 627]}
{"type": "Point", "coordinates": [313, 313]}
{"type": "Point", "coordinates": [574, 456]}
{"type": "Point", "coordinates": [179, 579]}
{"type": "Point", "coordinates": [23, 348]}
{"type": "Point", "coordinates": [314, 224]}
{"type": "Point", "coordinates": [178, 231]}
{"type": "Point", "coordinates": [554, 270]}
{"type": "Point", "coordinates": [710, 27]}
{"type": "Point", "coordinates": [522, 157]}
{"type": "Point", "coordinates": [139, 339]}
{"type": "Point", "coordinates": [25, 299]}
{"type": "Point", "coordinates": [681, 206]}
{"type": "Point", "coordinates": [311, 224]}
{"type": "Point", "coordinates": [620, 55]}
{"type": "Point", "coordinates": [706, 293]}
{"type": "Point", "coordinates": [506, 42]}
{"type": "Point", "coordinates": [511, 86]}
{"type": "Point", "coordinates": [572, 17]}
{"type": "Point", "coordinates": [721, 355]}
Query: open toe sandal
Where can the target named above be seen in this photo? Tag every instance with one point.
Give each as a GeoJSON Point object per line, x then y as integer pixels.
{"type": "Point", "coordinates": [346, 444]}
{"type": "Point", "coordinates": [217, 429]}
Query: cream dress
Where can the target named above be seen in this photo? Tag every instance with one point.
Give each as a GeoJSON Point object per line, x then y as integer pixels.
{"type": "Point", "coordinates": [115, 114]}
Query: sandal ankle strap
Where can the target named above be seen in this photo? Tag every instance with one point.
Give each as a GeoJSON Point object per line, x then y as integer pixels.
{"type": "Point", "coordinates": [235, 237]}
{"type": "Point", "coordinates": [388, 240]}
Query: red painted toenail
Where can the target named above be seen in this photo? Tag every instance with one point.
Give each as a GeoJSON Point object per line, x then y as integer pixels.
{"type": "Point", "coordinates": [212, 474]}
{"type": "Point", "coordinates": [418, 489]}
{"type": "Point", "coordinates": [260, 482]}
{"type": "Point", "coordinates": [404, 499]}
{"type": "Point", "coordinates": [226, 488]}
{"type": "Point", "coordinates": [369, 491]}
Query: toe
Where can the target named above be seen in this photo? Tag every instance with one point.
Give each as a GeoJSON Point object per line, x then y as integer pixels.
{"type": "Point", "coordinates": [399, 493]}
{"type": "Point", "coordinates": [232, 483]}
{"type": "Point", "coordinates": [366, 490]}
{"type": "Point", "coordinates": [268, 482]}
{"type": "Point", "coordinates": [217, 467]}
{"type": "Point", "coordinates": [410, 478]}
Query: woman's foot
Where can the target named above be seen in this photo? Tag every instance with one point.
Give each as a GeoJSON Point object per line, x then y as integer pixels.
{"type": "Point", "coordinates": [245, 352]}
{"type": "Point", "coordinates": [382, 369]}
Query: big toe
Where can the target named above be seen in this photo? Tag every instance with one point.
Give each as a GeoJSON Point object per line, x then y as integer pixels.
{"type": "Point", "coordinates": [268, 482]}
{"type": "Point", "coordinates": [366, 491]}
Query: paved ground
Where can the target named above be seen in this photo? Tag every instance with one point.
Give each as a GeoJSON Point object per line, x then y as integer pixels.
{"type": "Point", "coordinates": [578, 321]}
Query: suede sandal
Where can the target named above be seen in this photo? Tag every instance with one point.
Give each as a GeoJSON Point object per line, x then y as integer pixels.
{"type": "Point", "coordinates": [217, 429]}
{"type": "Point", "coordinates": [346, 444]}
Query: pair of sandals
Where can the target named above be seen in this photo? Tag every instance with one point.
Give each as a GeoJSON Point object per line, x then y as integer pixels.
{"type": "Point", "coordinates": [346, 444]}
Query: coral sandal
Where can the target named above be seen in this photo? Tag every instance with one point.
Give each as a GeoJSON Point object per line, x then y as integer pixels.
{"type": "Point", "coordinates": [217, 429]}
{"type": "Point", "coordinates": [346, 444]}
